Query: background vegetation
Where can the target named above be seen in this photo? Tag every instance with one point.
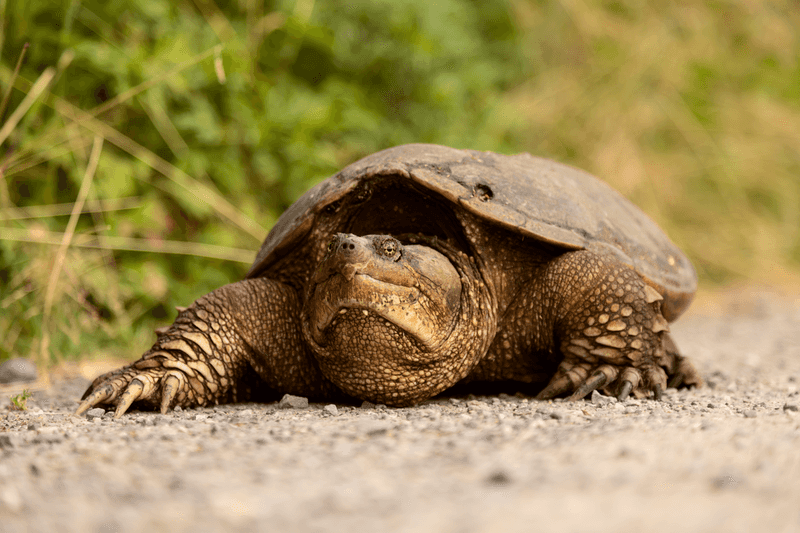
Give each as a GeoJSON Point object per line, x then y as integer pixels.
{"type": "Point", "coordinates": [148, 145]}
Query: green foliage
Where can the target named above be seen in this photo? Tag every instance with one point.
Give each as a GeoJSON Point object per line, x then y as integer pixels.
{"type": "Point", "coordinates": [217, 115]}
{"type": "Point", "coordinates": [19, 402]}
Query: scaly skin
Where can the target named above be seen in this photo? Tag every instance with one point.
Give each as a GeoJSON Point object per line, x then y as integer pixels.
{"type": "Point", "coordinates": [611, 335]}
{"type": "Point", "coordinates": [213, 351]}
{"type": "Point", "coordinates": [401, 344]}
{"type": "Point", "coordinates": [553, 280]}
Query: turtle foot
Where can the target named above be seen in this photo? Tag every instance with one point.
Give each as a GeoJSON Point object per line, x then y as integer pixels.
{"type": "Point", "coordinates": [579, 379]}
{"type": "Point", "coordinates": [157, 387]}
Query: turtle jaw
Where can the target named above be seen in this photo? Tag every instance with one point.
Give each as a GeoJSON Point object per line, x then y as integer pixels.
{"type": "Point", "coordinates": [415, 288]}
{"type": "Point", "coordinates": [397, 329]}
{"type": "Point", "coordinates": [337, 295]}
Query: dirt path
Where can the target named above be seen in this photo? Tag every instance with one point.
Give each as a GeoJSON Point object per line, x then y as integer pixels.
{"type": "Point", "coordinates": [724, 458]}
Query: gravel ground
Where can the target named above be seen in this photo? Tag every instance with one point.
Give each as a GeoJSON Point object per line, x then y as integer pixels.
{"type": "Point", "coordinates": [722, 458]}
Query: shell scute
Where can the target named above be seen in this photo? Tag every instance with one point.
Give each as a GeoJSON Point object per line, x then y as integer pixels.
{"type": "Point", "coordinates": [538, 198]}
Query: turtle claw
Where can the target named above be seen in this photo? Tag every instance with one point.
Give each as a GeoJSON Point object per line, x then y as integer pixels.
{"type": "Point", "coordinates": [131, 394]}
{"type": "Point", "coordinates": [595, 381]}
{"type": "Point", "coordinates": [675, 382]}
{"type": "Point", "coordinates": [97, 397]}
{"type": "Point", "coordinates": [153, 387]}
{"type": "Point", "coordinates": [172, 385]}
{"type": "Point", "coordinates": [683, 373]}
{"type": "Point", "coordinates": [624, 390]}
{"type": "Point", "coordinates": [657, 392]}
{"type": "Point", "coordinates": [580, 380]}
{"type": "Point", "coordinates": [558, 385]}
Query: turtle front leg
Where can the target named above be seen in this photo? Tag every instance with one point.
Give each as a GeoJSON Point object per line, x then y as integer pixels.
{"type": "Point", "coordinates": [209, 355]}
{"type": "Point", "coordinates": [611, 332]}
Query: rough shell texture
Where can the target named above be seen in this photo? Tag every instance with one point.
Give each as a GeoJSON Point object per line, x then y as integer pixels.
{"type": "Point", "coordinates": [536, 197]}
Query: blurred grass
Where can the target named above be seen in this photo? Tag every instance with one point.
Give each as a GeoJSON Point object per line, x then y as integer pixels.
{"type": "Point", "coordinates": [691, 109]}
{"type": "Point", "coordinates": [214, 116]}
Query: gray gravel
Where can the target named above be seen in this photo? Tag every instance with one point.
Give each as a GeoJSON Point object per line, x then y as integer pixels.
{"type": "Point", "coordinates": [723, 458]}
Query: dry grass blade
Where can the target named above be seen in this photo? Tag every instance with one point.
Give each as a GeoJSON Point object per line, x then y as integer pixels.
{"type": "Point", "coordinates": [158, 116]}
{"type": "Point", "coordinates": [49, 139]}
{"type": "Point", "coordinates": [216, 19]}
{"type": "Point", "coordinates": [13, 78]}
{"type": "Point", "coordinates": [56, 210]}
{"type": "Point", "coordinates": [199, 190]}
{"type": "Point", "coordinates": [131, 244]}
{"type": "Point", "coordinates": [19, 162]}
{"type": "Point", "coordinates": [37, 89]}
{"type": "Point", "coordinates": [88, 176]}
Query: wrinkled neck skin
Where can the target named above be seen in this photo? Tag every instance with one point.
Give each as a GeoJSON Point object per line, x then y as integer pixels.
{"type": "Point", "coordinates": [399, 331]}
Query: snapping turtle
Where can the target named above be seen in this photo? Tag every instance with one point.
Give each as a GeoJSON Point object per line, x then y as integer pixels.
{"type": "Point", "coordinates": [421, 267]}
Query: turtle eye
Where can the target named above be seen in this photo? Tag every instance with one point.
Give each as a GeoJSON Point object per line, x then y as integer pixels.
{"type": "Point", "coordinates": [331, 244]}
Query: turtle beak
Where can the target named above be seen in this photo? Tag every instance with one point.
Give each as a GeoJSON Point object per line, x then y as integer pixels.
{"type": "Point", "coordinates": [347, 255]}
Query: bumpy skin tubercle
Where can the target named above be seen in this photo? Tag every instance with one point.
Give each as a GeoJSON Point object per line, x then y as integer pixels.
{"type": "Point", "coordinates": [613, 335]}
{"type": "Point", "coordinates": [212, 352]}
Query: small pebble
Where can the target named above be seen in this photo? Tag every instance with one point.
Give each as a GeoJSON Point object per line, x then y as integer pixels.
{"type": "Point", "coordinates": [97, 412]}
{"type": "Point", "coordinates": [293, 402]}
{"type": "Point", "coordinates": [331, 409]}
{"type": "Point", "coordinates": [601, 399]}
{"type": "Point", "coordinates": [791, 407]}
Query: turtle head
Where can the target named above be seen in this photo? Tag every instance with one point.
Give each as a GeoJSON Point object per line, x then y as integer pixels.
{"type": "Point", "coordinates": [392, 322]}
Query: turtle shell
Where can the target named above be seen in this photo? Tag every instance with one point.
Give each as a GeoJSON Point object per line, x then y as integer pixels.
{"type": "Point", "coordinates": [535, 197]}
